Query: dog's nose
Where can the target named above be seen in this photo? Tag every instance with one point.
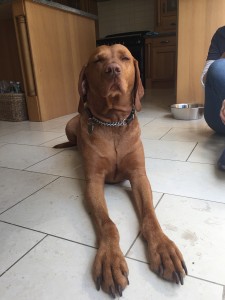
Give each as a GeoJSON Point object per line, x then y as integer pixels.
{"type": "Point", "coordinates": [113, 69]}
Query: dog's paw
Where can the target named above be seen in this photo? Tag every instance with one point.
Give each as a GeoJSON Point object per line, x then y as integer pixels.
{"type": "Point", "coordinates": [110, 270]}
{"type": "Point", "coordinates": [166, 260]}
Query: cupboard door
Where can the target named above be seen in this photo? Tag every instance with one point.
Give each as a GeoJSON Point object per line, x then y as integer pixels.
{"type": "Point", "coordinates": [163, 63]}
{"type": "Point", "coordinates": [166, 15]}
{"type": "Point", "coordinates": [168, 7]}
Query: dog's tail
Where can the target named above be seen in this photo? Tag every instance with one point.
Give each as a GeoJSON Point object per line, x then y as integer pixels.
{"type": "Point", "coordinates": [65, 145]}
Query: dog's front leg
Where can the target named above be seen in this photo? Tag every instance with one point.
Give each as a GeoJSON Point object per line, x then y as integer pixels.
{"type": "Point", "coordinates": [110, 269]}
{"type": "Point", "coordinates": [164, 257]}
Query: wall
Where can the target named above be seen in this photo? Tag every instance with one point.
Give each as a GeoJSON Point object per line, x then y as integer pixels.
{"type": "Point", "coordinates": [117, 16]}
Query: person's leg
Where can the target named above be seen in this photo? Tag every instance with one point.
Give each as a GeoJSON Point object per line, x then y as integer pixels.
{"type": "Point", "coordinates": [221, 161]}
{"type": "Point", "coordinates": [214, 95]}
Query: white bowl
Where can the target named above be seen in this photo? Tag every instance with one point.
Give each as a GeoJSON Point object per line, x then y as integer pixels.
{"type": "Point", "coordinates": [187, 111]}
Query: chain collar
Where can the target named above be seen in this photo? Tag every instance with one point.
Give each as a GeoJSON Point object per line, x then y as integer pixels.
{"type": "Point", "coordinates": [92, 120]}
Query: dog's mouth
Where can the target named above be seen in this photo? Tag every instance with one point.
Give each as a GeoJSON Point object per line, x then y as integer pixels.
{"type": "Point", "coordinates": [115, 84]}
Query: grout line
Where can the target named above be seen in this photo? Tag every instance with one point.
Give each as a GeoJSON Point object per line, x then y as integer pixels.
{"type": "Point", "coordinates": [182, 161]}
{"type": "Point", "coordinates": [165, 134]}
{"type": "Point", "coordinates": [43, 159]}
{"type": "Point", "coordinates": [159, 200]}
{"type": "Point", "coordinates": [192, 151]}
{"type": "Point", "coordinates": [55, 138]}
{"type": "Point", "coordinates": [138, 260]}
{"type": "Point", "coordinates": [189, 197]}
{"type": "Point", "coordinates": [191, 276]}
{"type": "Point", "coordinates": [23, 256]}
{"type": "Point", "coordinates": [205, 280]}
{"type": "Point", "coordinates": [49, 234]}
{"type": "Point", "coordinates": [139, 234]}
{"type": "Point", "coordinates": [29, 195]}
{"type": "Point", "coordinates": [59, 176]}
{"type": "Point", "coordinates": [35, 172]}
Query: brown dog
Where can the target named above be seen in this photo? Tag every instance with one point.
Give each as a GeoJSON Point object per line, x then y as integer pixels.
{"type": "Point", "coordinates": [108, 135]}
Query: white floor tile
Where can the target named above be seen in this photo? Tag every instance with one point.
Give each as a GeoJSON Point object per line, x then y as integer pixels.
{"type": "Point", "coordinates": [5, 124]}
{"type": "Point", "coordinates": [23, 156]}
{"type": "Point", "coordinates": [40, 126]}
{"type": "Point", "coordinates": [145, 285]}
{"type": "Point", "coordinates": [53, 270]}
{"type": "Point", "coordinates": [17, 185]}
{"type": "Point", "coordinates": [196, 227]}
{"type": "Point", "coordinates": [57, 208]}
{"type": "Point", "coordinates": [57, 269]}
{"type": "Point", "coordinates": [29, 137]}
{"type": "Point", "coordinates": [208, 152]}
{"type": "Point", "coordinates": [169, 121]}
{"type": "Point", "coordinates": [52, 143]}
{"type": "Point", "coordinates": [15, 242]}
{"type": "Point", "coordinates": [8, 130]}
{"type": "Point", "coordinates": [204, 134]}
{"type": "Point", "coordinates": [54, 125]}
{"type": "Point", "coordinates": [144, 121]}
{"type": "Point", "coordinates": [154, 133]}
{"type": "Point", "coordinates": [168, 149]}
{"type": "Point", "coordinates": [195, 180]}
{"type": "Point", "coordinates": [64, 163]}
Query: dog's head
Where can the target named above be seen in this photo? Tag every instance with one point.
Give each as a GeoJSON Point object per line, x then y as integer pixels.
{"type": "Point", "coordinates": [111, 74]}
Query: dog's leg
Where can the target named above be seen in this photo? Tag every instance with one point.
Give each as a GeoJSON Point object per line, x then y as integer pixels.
{"type": "Point", "coordinates": [110, 269]}
{"type": "Point", "coordinates": [71, 133]}
{"type": "Point", "coordinates": [164, 257]}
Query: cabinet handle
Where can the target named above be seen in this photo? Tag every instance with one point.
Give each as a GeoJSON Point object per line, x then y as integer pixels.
{"type": "Point", "coordinates": [164, 42]}
{"type": "Point", "coordinates": [173, 24]}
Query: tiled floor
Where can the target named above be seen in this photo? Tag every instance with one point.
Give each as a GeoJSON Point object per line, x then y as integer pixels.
{"type": "Point", "coordinates": [47, 243]}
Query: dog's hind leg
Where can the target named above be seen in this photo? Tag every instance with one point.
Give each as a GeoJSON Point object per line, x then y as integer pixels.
{"type": "Point", "coordinates": [71, 133]}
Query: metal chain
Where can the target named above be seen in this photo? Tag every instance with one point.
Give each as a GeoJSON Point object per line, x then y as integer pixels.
{"type": "Point", "coordinates": [110, 124]}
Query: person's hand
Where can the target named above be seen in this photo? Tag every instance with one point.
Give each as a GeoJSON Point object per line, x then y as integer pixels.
{"type": "Point", "coordinates": [223, 55]}
{"type": "Point", "coordinates": [222, 112]}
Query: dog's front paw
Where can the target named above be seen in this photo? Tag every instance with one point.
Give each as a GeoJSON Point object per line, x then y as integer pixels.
{"type": "Point", "coordinates": [166, 260]}
{"type": "Point", "coordinates": [110, 270]}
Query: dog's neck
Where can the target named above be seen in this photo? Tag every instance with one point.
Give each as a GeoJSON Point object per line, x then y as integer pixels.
{"type": "Point", "coordinates": [92, 120]}
{"type": "Point", "coordinates": [110, 109]}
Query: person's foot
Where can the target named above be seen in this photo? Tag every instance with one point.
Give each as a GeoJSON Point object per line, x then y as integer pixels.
{"type": "Point", "coordinates": [221, 161]}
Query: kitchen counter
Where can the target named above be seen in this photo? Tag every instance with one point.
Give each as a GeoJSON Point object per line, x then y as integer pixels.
{"type": "Point", "coordinates": [6, 8]}
{"type": "Point", "coordinates": [159, 34]}
{"type": "Point", "coordinates": [66, 8]}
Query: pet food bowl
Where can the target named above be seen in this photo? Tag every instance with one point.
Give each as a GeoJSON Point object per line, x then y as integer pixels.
{"type": "Point", "coordinates": [187, 111]}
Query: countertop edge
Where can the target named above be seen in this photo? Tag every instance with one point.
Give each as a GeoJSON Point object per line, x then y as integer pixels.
{"type": "Point", "coordinates": [67, 8]}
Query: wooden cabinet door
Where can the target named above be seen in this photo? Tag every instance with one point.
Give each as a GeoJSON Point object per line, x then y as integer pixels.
{"type": "Point", "coordinates": [163, 63]}
{"type": "Point", "coordinates": [168, 7]}
{"type": "Point", "coordinates": [165, 15]}
{"type": "Point", "coordinates": [160, 62]}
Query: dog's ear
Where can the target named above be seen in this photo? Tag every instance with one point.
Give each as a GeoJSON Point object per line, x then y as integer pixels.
{"type": "Point", "coordinates": [138, 87]}
{"type": "Point", "coordinates": [82, 89]}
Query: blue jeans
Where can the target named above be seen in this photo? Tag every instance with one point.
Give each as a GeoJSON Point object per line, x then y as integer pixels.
{"type": "Point", "coordinates": [214, 95]}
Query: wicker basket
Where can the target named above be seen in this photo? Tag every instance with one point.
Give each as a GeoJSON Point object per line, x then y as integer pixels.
{"type": "Point", "coordinates": [13, 107]}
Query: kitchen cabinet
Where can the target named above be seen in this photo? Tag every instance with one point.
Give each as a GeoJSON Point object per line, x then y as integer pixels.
{"type": "Point", "coordinates": [198, 21]}
{"type": "Point", "coordinates": [160, 62]}
{"type": "Point", "coordinates": [165, 15]}
{"type": "Point", "coordinates": [52, 45]}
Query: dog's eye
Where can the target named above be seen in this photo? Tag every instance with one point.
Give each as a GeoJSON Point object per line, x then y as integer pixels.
{"type": "Point", "coordinates": [98, 59]}
{"type": "Point", "coordinates": [125, 58]}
